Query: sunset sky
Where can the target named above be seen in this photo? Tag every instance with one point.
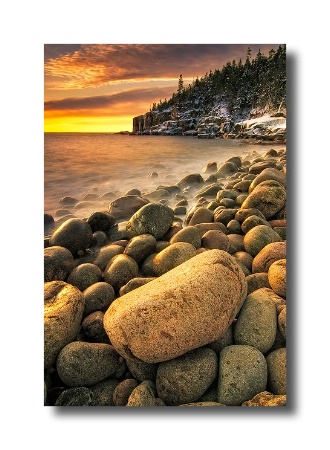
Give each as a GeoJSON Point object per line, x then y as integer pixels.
{"type": "Point", "coordinates": [101, 87]}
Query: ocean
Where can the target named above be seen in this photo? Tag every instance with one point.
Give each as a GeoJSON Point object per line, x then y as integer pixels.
{"type": "Point", "coordinates": [79, 164]}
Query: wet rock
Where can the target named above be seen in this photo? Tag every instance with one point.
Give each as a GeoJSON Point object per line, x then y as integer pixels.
{"type": "Point", "coordinates": [139, 247]}
{"type": "Point", "coordinates": [136, 192]}
{"type": "Point", "coordinates": [256, 281]}
{"type": "Point", "coordinates": [120, 269]}
{"type": "Point", "coordinates": [200, 215]}
{"type": "Point", "coordinates": [276, 363]}
{"type": "Point", "coordinates": [101, 221]}
{"type": "Point", "coordinates": [209, 191]}
{"type": "Point", "coordinates": [99, 239]}
{"type": "Point", "coordinates": [85, 275]}
{"type": "Point", "coordinates": [134, 283]}
{"type": "Point", "coordinates": [252, 221]}
{"type": "Point", "coordinates": [98, 297]}
{"type": "Point", "coordinates": [268, 174]}
{"type": "Point", "coordinates": [204, 227]}
{"type": "Point", "coordinates": [153, 218]}
{"type": "Point", "coordinates": [236, 160]}
{"type": "Point", "coordinates": [234, 227]}
{"type": "Point", "coordinates": [118, 232]}
{"type": "Point", "coordinates": [277, 277]}
{"type": "Point", "coordinates": [58, 263]}
{"type": "Point", "coordinates": [269, 197]}
{"type": "Point", "coordinates": [123, 390]}
{"type": "Point", "coordinates": [244, 258]}
{"type": "Point", "coordinates": [78, 396]}
{"type": "Point", "coordinates": [73, 234]}
{"type": "Point", "coordinates": [148, 268]}
{"type": "Point", "coordinates": [242, 186]}
{"type": "Point", "coordinates": [124, 207]}
{"type": "Point", "coordinates": [68, 201]}
{"type": "Point", "coordinates": [142, 395]}
{"type": "Point", "coordinates": [189, 180]}
{"type": "Point", "coordinates": [63, 310]}
{"type": "Point", "coordinates": [86, 363]}
{"type": "Point", "coordinates": [227, 169]}
{"type": "Point", "coordinates": [190, 234]}
{"type": "Point", "coordinates": [188, 307]}
{"type": "Point", "coordinates": [243, 214]}
{"type": "Point", "coordinates": [266, 293]}
{"type": "Point", "coordinates": [105, 254]}
{"type": "Point", "coordinates": [224, 215]}
{"type": "Point", "coordinates": [227, 338]}
{"type": "Point", "coordinates": [227, 193]}
{"type": "Point", "coordinates": [256, 323]}
{"type": "Point", "coordinates": [242, 374]}
{"type": "Point", "coordinates": [240, 199]}
{"type": "Point", "coordinates": [180, 210]}
{"type": "Point", "coordinates": [259, 166]}
{"type": "Point", "coordinates": [156, 195]}
{"type": "Point", "coordinates": [186, 378]}
{"type": "Point", "coordinates": [93, 329]}
{"type": "Point", "coordinates": [142, 370]}
{"type": "Point", "coordinates": [270, 253]}
{"type": "Point", "coordinates": [172, 256]}
{"type": "Point", "coordinates": [215, 239]}
{"type": "Point", "coordinates": [227, 203]}
{"type": "Point", "coordinates": [210, 167]}
{"type": "Point", "coordinates": [103, 392]}
{"type": "Point", "coordinates": [236, 243]}
{"type": "Point", "coordinates": [258, 237]}
{"type": "Point", "coordinates": [49, 223]}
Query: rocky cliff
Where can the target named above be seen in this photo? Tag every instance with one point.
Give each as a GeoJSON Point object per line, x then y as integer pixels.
{"type": "Point", "coordinates": [215, 123]}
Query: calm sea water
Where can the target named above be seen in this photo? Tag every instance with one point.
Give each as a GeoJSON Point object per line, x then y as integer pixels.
{"type": "Point", "coordinates": [79, 164]}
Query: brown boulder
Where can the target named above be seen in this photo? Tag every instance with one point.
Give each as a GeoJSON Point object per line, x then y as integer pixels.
{"type": "Point", "coordinates": [186, 308]}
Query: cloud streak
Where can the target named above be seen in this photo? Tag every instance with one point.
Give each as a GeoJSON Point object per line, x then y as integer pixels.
{"type": "Point", "coordinates": [119, 100]}
{"type": "Point", "coordinates": [89, 65]}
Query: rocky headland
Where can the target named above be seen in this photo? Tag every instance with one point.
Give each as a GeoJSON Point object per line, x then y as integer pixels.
{"type": "Point", "coordinates": [219, 123]}
{"type": "Point", "coordinates": [153, 303]}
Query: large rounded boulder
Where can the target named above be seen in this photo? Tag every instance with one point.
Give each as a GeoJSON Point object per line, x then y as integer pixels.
{"type": "Point", "coordinates": [186, 308]}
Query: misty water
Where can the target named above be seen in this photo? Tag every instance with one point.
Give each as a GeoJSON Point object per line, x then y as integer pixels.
{"type": "Point", "coordinates": [79, 164]}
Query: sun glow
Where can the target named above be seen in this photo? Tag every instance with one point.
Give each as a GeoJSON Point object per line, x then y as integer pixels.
{"type": "Point", "coordinates": [87, 124]}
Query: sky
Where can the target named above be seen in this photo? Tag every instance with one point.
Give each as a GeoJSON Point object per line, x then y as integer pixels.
{"type": "Point", "coordinates": [101, 87]}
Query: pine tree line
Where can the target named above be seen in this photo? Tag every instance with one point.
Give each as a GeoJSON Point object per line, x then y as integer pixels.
{"type": "Point", "coordinates": [257, 83]}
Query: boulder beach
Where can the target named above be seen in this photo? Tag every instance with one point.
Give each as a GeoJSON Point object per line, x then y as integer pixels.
{"type": "Point", "coordinates": [172, 297]}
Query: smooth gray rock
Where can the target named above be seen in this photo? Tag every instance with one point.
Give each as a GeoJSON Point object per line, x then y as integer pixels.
{"type": "Point", "coordinates": [186, 378]}
{"type": "Point", "coordinates": [120, 270]}
{"type": "Point", "coordinates": [258, 237]}
{"type": "Point", "coordinates": [86, 363]}
{"type": "Point", "coordinates": [256, 323]}
{"type": "Point", "coordinates": [242, 374]}
{"type": "Point", "coordinates": [85, 275]}
{"type": "Point", "coordinates": [98, 297]}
